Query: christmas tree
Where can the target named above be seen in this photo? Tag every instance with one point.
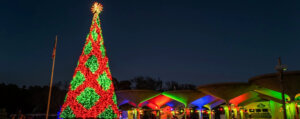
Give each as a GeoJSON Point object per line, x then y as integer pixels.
{"type": "Point", "coordinates": [91, 92]}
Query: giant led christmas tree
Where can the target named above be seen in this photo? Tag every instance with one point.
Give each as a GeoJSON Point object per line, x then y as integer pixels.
{"type": "Point", "coordinates": [91, 92]}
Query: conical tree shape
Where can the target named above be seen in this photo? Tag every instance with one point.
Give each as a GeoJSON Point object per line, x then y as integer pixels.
{"type": "Point", "coordinates": [91, 92]}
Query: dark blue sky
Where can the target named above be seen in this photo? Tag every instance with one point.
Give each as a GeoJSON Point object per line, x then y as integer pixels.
{"type": "Point", "coordinates": [196, 42]}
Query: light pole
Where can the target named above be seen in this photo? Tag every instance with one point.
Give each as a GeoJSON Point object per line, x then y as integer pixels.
{"type": "Point", "coordinates": [281, 68]}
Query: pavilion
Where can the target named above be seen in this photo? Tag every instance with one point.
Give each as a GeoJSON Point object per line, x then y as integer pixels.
{"type": "Point", "coordinates": [260, 97]}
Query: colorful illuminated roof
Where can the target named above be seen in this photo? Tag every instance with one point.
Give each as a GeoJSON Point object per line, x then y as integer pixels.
{"type": "Point", "coordinates": [174, 104]}
{"type": "Point", "coordinates": [226, 91]}
{"type": "Point", "coordinates": [203, 101]}
{"type": "Point", "coordinates": [124, 101]}
{"type": "Point", "coordinates": [156, 102]}
{"type": "Point", "coordinates": [267, 97]}
{"type": "Point", "coordinates": [271, 93]}
{"type": "Point", "coordinates": [241, 98]}
{"type": "Point", "coordinates": [184, 96]}
{"type": "Point", "coordinates": [271, 81]}
{"type": "Point", "coordinates": [248, 101]}
{"type": "Point", "coordinates": [215, 103]}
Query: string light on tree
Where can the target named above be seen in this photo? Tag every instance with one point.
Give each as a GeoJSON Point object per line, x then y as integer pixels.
{"type": "Point", "coordinates": [91, 91]}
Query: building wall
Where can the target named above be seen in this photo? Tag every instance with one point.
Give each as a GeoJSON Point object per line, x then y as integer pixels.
{"type": "Point", "coordinates": [260, 109]}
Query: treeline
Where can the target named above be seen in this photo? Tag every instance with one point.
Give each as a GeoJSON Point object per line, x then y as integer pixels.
{"type": "Point", "coordinates": [149, 83]}
{"type": "Point", "coordinates": [33, 99]}
{"type": "Point", "coordinates": [30, 100]}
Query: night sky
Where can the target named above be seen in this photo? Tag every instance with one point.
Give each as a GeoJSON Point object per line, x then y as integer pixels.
{"type": "Point", "coordinates": [198, 42]}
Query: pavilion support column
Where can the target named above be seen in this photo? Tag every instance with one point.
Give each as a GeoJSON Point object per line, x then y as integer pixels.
{"type": "Point", "coordinates": [242, 114]}
{"type": "Point", "coordinates": [237, 112]}
{"type": "Point", "coordinates": [210, 113]}
{"type": "Point", "coordinates": [138, 113]}
{"type": "Point", "coordinates": [293, 110]}
{"type": "Point", "coordinates": [227, 111]}
{"type": "Point", "coordinates": [187, 113]}
{"type": "Point", "coordinates": [159, 114]}
{"type": "Point", "coordinates": [275, 110]}
{"type": "Point", "coordinates": [200, 114]}
{"type": "Point", "coordinates": [135, 113]}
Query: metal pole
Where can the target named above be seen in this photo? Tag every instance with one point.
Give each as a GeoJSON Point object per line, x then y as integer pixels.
{"type": "Point", "coordinates": [282, 88]}
{"type": "Point", "coordinates": [50, 87]}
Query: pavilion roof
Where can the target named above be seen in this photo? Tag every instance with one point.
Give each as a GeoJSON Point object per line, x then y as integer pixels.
{"type": "Point", "coordinates": [135, 96]}
{"type": "Point", "coordinates": [157, 101]}
{"type": "Point", "coordinates": [244, 97]}
{"type": "Point", "coordinates": [226, 91]}
{"type": "Point", "coordinates": [184, 96]}
{"type": "Point", "coordinates": [271, 81]}
{"type": "Point", "coordinates": [173, 104]}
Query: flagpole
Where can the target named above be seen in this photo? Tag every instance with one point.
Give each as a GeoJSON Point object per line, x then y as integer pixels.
{"type": "Point", "coordinates": [50, 87]}
{"type": "Point", "coordinates": [280, 69]}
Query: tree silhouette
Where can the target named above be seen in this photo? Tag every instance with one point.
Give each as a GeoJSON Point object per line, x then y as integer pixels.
{"type": "Point", "coordinates": [172, 85]}
{"type": "Point", "coordinates": [124, 85]}
{"type": "Point", "coordinates": [147, 83]}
